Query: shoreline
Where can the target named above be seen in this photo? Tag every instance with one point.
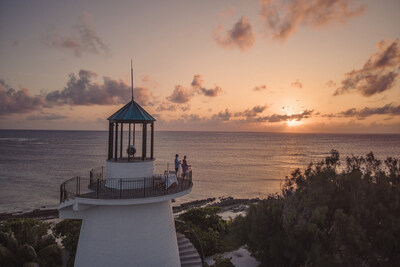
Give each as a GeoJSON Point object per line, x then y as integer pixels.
{"type": "Point", "coordinates": [225, 203]}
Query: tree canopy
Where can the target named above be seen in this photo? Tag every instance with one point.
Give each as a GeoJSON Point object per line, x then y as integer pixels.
{"type": "Point", "coordinates": [329, 215]}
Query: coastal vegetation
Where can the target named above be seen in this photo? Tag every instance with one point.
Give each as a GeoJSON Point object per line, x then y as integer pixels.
{"type": "Point", "coordinates": [27, 242]}
{"type": "Point", "coordinates": [68, 231]}
{"type": "Point", "coordinates": [329, 216]}
{"type": "Point", "coordinates": [208, 232]}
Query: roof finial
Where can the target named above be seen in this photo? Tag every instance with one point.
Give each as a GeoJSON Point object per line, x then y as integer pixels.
{"type": "Point", "coordinates": [132, 77]}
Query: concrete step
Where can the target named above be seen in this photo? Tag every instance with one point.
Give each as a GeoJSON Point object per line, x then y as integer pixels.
{"type": "Point", "coordinates": [190, 257]}
{"type": "Point", "coordinates": [193, 263]}
{"type": "Point", "coordinates": [187, 252]}
{"type": "Point", "coordinates": [187, 247]}
{"type": "Point", "coordinates": [184, 243]}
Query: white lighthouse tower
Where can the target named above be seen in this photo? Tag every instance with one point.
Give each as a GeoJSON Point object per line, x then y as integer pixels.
{"type": "Point", "coordinates": [126, 216]}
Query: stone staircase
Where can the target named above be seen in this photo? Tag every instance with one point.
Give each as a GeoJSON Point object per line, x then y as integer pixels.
{"type": "Point", "coordinates": [187, 252]}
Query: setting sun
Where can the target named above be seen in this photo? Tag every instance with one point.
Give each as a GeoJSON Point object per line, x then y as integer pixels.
{"type": "Point", "coordinates": [293, 123]}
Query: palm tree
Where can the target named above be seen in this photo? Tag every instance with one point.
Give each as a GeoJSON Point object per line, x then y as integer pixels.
{"type": "Point", "coordinates": [26, 242]}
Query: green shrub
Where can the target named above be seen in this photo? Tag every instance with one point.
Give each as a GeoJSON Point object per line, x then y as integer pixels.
{"type": "Point", "coordinates": [327, 217]}
{"type": "Point", "coordinates": [69, 230]}
{"type": "Point", "coordinates": [26, 242]}
{"type": "Point", "coordinates": [207, 225]}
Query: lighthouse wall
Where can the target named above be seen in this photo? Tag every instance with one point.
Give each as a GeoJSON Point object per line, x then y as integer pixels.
{"type": "Point", "coordinates": [133, 235]}
{"type": "Point", "coordinates": [135, 171]}
{"type": "Point", "coordinates": [117, 170]}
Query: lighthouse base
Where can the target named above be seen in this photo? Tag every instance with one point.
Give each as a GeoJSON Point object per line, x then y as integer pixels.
{"type": "Point", "coordinates": [131, 235]}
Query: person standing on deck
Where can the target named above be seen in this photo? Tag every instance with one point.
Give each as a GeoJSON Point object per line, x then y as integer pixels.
{"type": "Point", "coordinates": [184, 167]}
{"type": "Point", "coordinates": [177, 163]}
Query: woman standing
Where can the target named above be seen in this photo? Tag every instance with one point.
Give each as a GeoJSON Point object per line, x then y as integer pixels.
{"type": "Point", "coordinates": [184, 167]}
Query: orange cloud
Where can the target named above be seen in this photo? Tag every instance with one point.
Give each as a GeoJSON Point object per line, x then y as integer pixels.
{"type": "Point", "coordinates": [240, 36]}
{"type": "Point", "coordinates": [283, 18]}
{"type": "Point", "coordinates": [378, 74]}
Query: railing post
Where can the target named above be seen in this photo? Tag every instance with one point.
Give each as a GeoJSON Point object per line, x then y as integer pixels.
{"type": "Point", "coordinates": [144, 187]}
{"type": "Point", "coordinates": [120, 188]}
{"type": "Point", "coordinates": [98, 188]}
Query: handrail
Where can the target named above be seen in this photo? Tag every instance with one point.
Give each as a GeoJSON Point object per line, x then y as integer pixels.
{"type": "Point", "coordinates": [197, 238]}
{"type": "Point", "coordinates": [122, 188]}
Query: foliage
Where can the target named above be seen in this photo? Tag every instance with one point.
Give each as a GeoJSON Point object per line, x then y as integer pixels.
{"type": "Point", "coordinates": [24, 242]}
{"type": "Point", "coordinates": [69, 230]}
{"type": "Point", "coordinates": [220, 261]}
{"type": "Point", "coordinates": [327, 217]}
{"type": "Point", "coordinates": [207, 225]}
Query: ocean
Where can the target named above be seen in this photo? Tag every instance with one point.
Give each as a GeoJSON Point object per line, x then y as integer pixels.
{"type": "Point", "coordinates": [33, 164]}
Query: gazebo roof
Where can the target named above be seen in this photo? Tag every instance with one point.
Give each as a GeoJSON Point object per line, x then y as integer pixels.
{"type": "Point", "coordinates": [131, 112]}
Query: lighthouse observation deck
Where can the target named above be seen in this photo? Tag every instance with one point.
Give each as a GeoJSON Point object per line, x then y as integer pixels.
{"type": "Point", "coordinates": [98, 187]}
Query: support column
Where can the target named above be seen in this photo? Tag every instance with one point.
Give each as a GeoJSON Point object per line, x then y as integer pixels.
{"type": "Point", "coordinates": [129, 141]}
{"type": "Point", "coordinates": [152, 141]}
{"type": "Point", "coordinates": [122, 130]}
{"type": "Point", "coordinates": [116, 142]}
{"type": "Point", "coordinates": [133, 133]}
{"type": "Point", "coordinates": [144, 144]}
{"type": "Point", "coordinates": [110, 140]}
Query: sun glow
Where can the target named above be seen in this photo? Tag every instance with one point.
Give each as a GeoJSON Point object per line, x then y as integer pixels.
{"type": "Point", "coordinates": [293, 122]}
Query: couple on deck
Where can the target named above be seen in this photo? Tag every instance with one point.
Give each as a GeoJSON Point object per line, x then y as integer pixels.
{"type": "Point", "coordinates": [184, 165]}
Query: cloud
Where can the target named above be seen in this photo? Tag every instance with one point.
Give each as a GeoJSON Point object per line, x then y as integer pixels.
{"type": "Point", "coordinates": [197, 85]}
{"type": "Point", "coordinates": [378, 74]}
{"type": "Point", "coordinates": [47, 116]}
{"type": "Point", "coordinates": [297, 84]}
{"type": "Point", "coordinates": [280, 118]}
{"type": "Point", "coordinates": [260, 88]}
{"type": "Point", "coordinates": [240, 36]}
{"type": "Point", "coordinates": [180, 95]}
{"type": "Point", "coordinates": [167, 106]}
{"type": "Point", "coordinates": [363, 113]}
{"type": "Point", "coordinates": [17, 101]}
{"type": "Point", "coordinates": [84, 39]}
{"type": "Point", "coordinates": [82, 90]}
{"type": "Point", "coordinates": [146, 79]}
{"type": "Point", "coordinates": [253, 112]}
{"type": "Point", "coordinates": [283, 18]}
{"type": "Point", "coordinates": [222, 115]}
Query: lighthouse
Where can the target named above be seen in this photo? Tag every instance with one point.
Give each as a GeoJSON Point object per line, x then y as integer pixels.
{"type": "Point", "coordinates": [126, 210]}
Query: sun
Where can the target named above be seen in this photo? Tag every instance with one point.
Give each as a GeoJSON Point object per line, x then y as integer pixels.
{"type": "Point", "coordinates": [293, 123]}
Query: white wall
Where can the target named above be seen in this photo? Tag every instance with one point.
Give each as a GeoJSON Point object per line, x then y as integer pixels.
{"type": "Point", "coordinates": [137, 235]}
{"type": "Point", "coordinates": [129, 169]}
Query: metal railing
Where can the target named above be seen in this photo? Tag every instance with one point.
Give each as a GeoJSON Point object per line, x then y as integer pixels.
{"type": "Point", "coordinates": [123, 188]}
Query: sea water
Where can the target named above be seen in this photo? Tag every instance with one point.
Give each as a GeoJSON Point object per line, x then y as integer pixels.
{"type": "Point", "coordinates": [33, 164]}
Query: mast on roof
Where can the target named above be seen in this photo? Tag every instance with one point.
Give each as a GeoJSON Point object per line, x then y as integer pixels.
{"type": "Point", "coordinates": [132, 78]}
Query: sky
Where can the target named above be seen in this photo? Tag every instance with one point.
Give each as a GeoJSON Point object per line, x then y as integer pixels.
{"type": "Point", "coordinates": [307, 66]}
